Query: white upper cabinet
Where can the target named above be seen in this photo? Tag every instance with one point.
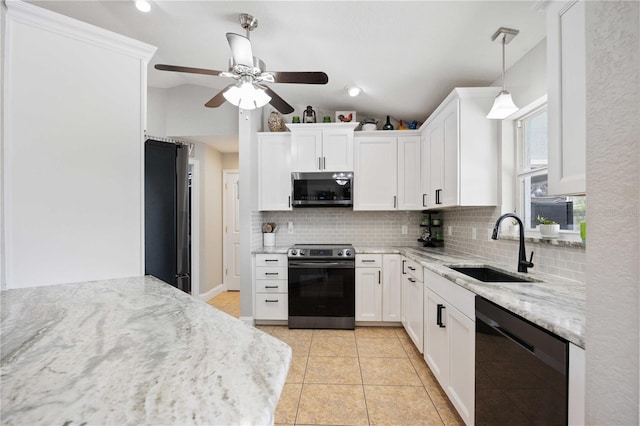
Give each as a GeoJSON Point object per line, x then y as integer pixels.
{"type": "Point", "coordinates": [375, 173]}
{"type": "Point", "coordinates": [566, 97]}
{"type": "Point", "coordinates": [387, 172]}
{"type": "Point", "coordinates": [274, 171]}
{"type": "Point", "coordinates": [322, 147]}
{"type": "Point", "coordinates": [460, 151]}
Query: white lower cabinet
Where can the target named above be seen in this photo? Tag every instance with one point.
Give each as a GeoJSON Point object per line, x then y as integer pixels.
{"type": "Point", "coordinates": [412, 302]}
{"type": "Point", "coordinates": [449, 340]}
{"type": "Point", "coordinates": [271, 287]}
{"type": "Point", "coordinates": [378, 287]}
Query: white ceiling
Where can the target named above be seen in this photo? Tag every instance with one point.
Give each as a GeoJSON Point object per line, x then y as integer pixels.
{"type": "Point", "coordinates": [406, 56]}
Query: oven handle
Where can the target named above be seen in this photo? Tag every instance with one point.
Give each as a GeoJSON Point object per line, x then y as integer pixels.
{"type": "Point", "coordinates": [321, 264]}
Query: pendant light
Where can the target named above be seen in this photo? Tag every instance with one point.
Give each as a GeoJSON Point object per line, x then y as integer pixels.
{"type": "Point", "coordinates": [503, 106]}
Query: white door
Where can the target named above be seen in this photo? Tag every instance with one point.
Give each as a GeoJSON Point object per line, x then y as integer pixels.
{"type": "Point", "coordinates": [231, 221]}
{"type": "Point", "coordinates": [375, 174]}
{"type": "Point", "coordinates": [368, 294]}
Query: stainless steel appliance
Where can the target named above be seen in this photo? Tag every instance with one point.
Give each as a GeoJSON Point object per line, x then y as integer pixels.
{"type": "Point", "coordinates": [166, 213]}
{"type": "Point", "coordinates": [322, 286]}
{"type": "Point", "coordinates": [322, 189]}
{"type": "Point", "coordinates": [521, 370]}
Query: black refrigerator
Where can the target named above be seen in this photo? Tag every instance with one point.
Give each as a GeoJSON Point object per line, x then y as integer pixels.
{"type": "Point", "coordinates": [166, 213]}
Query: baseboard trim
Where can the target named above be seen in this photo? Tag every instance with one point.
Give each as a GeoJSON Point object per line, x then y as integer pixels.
{"type": "Point", "coordinates": [247, 320]}
{"type": "Point", "coordinates": [206, 296]}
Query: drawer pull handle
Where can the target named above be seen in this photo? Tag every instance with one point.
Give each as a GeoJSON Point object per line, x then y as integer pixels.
{"type": "Point", "coordinates": [271, 273]}
{"type": "Point", "coordinates": [271, 301]}
{"type": "Point", "coordinates": [270, 286]}
{"type": "Point", "coordinates": [368, 260]}
{"type": "Point", "coordinates": [412, 280]}
{"type": "Point", "coordinates": [271, 260]}
{"type": "Point", "coordinates": [412, 268]}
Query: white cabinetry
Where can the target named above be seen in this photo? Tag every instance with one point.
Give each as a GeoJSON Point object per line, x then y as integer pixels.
{"type": "Point", "coordinates": [274, 171]}
{"type": "Point", "coordinates": [449, 340]}
{"type": "Point", "coordinates": [412, 301]}
{"type": "Point", "coordinates": [322, 147]}
{"type": "Point", "coordinates": [566, 71]}
{"type": "Point", "coordinates": [387, 172]}
{"type": "Point", "coordinates": [368, 287]}
{"type": "Point", "coordinates": [460, 151]}
{"type": "Point", "coordinates": [378, 287]}
{"type": "Point", "coordinates": [271, 297]}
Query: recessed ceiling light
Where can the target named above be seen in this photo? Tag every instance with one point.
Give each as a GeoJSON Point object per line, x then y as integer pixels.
{"type": "Point", "coordinates": [143, 5]}
{"type": "Point", "coordinates": [353, 90]}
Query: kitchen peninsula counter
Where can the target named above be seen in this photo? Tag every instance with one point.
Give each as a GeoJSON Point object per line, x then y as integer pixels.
{"type": "Point", "coordinates": [133, 351]}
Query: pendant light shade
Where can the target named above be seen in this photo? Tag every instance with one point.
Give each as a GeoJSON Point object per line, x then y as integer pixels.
{"type": "Point", "coordinates": [246, 95]}
{"type": "Point", "coordinates": [503, 106]}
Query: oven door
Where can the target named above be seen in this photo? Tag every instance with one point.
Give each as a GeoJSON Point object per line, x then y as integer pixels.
{"type": "Point", "coordinates": [321, 290]}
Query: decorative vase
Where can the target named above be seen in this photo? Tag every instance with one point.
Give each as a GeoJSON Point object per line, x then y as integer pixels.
{"type": "Point", "coordinates": [387, 125]}
{"type": "Point", "coordinates": [276, 122]}
{"type": "Point", "coordinates": [549, 231]}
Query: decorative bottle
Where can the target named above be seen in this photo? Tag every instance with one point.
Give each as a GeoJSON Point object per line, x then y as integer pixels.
{"type": "Point", "coordinates": [387, 125]}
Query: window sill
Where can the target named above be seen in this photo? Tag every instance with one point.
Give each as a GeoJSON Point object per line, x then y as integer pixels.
{"type": "Point", "coordinates": [565, 239]}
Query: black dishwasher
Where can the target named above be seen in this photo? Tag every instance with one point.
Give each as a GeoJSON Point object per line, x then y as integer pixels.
{"type": "Point", "coordinates": [521, 370]}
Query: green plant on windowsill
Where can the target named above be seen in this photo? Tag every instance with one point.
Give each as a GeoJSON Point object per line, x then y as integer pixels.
{"type": "Point", "coordinates": [548, 228]}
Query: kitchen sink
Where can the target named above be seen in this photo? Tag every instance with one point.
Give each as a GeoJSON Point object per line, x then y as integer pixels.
{"type": "Point", "coordinates": [489, 275]}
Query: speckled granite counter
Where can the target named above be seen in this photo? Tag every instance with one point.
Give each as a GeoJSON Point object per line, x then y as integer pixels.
{"type": "Point", "coordinates": [553, 303]}
{"type": "Point", "coordinates": [133, 351]}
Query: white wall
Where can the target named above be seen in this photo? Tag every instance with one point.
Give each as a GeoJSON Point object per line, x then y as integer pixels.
{"type": "Point", "coordinates": [73, 123]}
{"type": "Point", "coordinates": [613, 179]}
{"type": "Point", "coordinates": [187, 116]}
{"type": "Point", "coordinates": [157, 100]}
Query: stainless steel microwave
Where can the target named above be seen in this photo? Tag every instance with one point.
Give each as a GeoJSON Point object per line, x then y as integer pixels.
{"type": "Point", "coordinates": [322, 189]}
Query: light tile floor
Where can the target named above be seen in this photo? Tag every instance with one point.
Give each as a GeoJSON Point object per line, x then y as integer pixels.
{"type": "Point", "coordinates": [366, 376]}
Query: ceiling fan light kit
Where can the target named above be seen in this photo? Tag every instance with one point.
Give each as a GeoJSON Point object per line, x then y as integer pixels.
{"type": "Point", "coordinates": [503, 106]}
{"type": "Point", "coordinates": [249, 72]}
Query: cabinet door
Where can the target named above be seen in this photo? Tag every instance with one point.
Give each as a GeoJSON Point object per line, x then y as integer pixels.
{"type": "Point", "coordinates": [449, 193]}
{"type": "Point", "coordinates": [436, 162]}
{"type": "Point", "coordinates": [416, 315]}
{"type": "Point", "coordinates": [274, 171]}
{"type": "Point", "coordinates": [391, 287]}
{"type": "Point", "coordinates": [337, 150]}
{"type": "Point", "coordinates": [436, 352]}
{"type": "Point", "coordinates": [375, 175]}
{"type": "Point", "coordinates": [566, 71]}
{"type": "Point", "coordinates": [306, 150]}
{"type": "Point", "coordinates": [462, 347]}
{"type": "Point", "coordinates": [404, 312]}
{"type": "Point", "coordinates": [409, 190]}
{"type": "Point", "coordinates": [425, 172]}
{"type": "Point", "coordinates": [368, 294]}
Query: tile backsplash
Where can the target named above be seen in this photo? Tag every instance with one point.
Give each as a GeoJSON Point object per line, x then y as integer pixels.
{"type": "Point", "coordinates": [563, 261]}
{"type": "Point", "coordinates": [384, 229]}
{"type": "Point", "coordinates": [336, 225]}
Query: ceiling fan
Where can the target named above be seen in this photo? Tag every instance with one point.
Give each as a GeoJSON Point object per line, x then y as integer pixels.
{"type": "Point", "coordinates": [249, 91]}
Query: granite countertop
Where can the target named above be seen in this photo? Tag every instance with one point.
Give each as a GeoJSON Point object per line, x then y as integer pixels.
{"type": "Point", "coordinates": [133, 351]}
{"type": "Point", "coordinates": [554, 303]}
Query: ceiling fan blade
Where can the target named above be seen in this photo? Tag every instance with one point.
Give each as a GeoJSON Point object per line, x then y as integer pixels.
{"type": "Point", "coordinates": [218, 99]}
{"type": "Point", "coordinates": [279, 103]}
{"type": "Point", "coordinates": [302, 77]}
{"type": "Point", "coordinates": [240, 49]}
{"type": "Point", "coordinates": [177, 68]}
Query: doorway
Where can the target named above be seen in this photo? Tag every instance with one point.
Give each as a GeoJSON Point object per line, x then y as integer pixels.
{"type": "Point", "coordinates": [231, 230]}
{"type": "Point", "coordinates": [194, 224]}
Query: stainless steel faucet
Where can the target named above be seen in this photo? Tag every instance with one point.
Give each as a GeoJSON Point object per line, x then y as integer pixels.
{"type": "Point", "coordinates": [523, 263]}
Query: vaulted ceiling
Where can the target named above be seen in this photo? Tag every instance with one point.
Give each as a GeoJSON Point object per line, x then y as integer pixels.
{"type": "Point", "coordinates": [406, 56]}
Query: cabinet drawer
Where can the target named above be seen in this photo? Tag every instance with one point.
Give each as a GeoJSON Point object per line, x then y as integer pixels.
{"type": "Point", "coordinates": [272, 306]}
{"type": "Point", "coordinates": [414, 269]}
{"type": "Point", "coordinates": [271, 273]}
{"type": "Point", "coordinates": [368, 261]}
{"type": "Point", "coordinates": [272, 286]}
{"type": "Point", "coordinates": [271, 260]}
{"type": "Point", "coordinates": [461, 298]}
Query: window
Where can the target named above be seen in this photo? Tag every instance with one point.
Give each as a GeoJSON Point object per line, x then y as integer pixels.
{"type": "Point", "coordinates": [531, 137]}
